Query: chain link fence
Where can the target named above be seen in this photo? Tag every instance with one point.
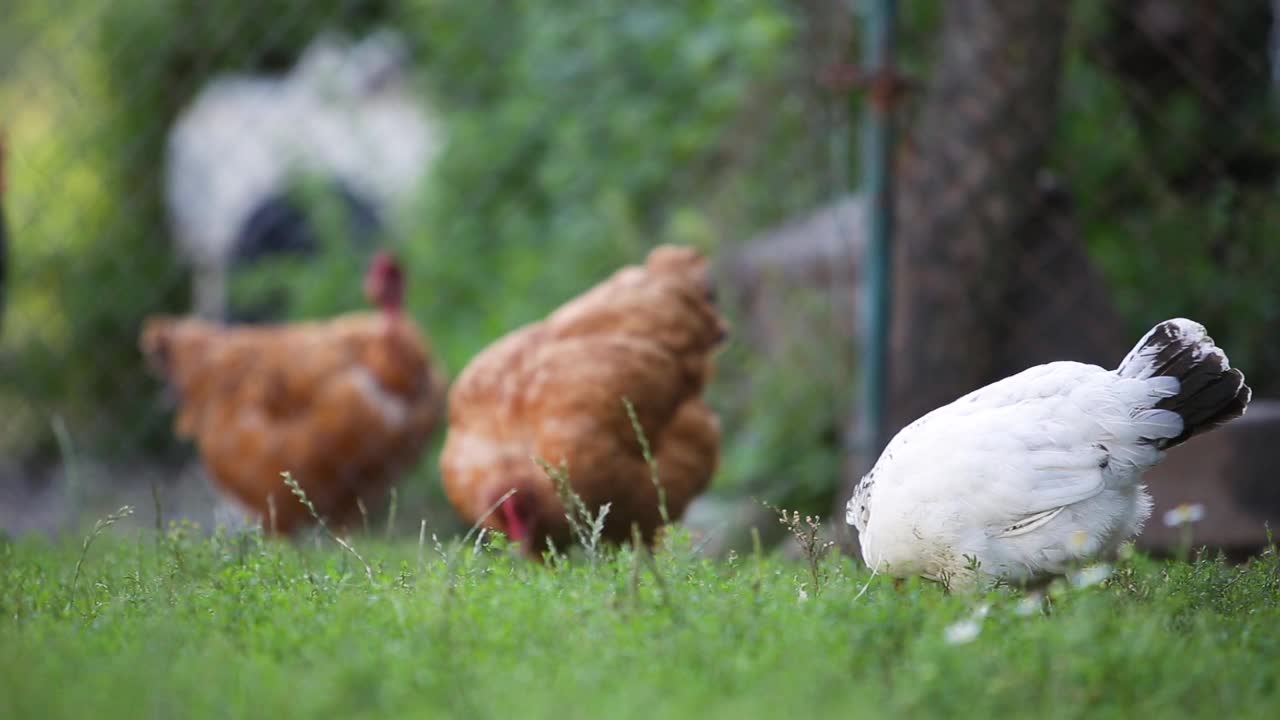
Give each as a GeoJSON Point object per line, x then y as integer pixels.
{"type": "Point", "coordinates": [1067, 177]}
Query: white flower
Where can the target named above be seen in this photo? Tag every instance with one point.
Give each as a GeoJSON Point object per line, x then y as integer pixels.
{"type": "Point", "coordinates": [960, 633]}
{"type": "Point", "coordinates": [965, 631]}
{"type": "Point", "coordinates": [1184, 514]}
{"type": "Point", "coordinates": [1029, 605]}
{"type": "Point", "coordinates": [804, 595]}
{"type": "Point", "coordinates": [1091, 575]}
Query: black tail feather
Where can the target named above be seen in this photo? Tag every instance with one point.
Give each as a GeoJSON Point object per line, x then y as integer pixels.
{"type": "Point", "coordinates": [1212, 392]}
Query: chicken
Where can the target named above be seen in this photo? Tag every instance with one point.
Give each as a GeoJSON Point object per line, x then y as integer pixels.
{"type": "Point", "coordinates": [346, 405]}
{"type": "Point", "coordinates": [345, 115]}
{"type": "Point", "coordinates": [1021, 479]}
{"type": "Point", "coordinates": [554, 391]}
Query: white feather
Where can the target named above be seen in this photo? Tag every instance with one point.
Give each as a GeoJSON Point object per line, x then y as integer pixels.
{"type": "Point", "coordinates": [344, 110]}
{"type": "Point", "coordinates": [1025, 475]}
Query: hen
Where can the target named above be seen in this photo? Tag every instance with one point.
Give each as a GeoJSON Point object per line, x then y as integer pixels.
{"type": "Point", "coordinates": [1020, 479]}
{"type": "Point", "coordinates": [554, 391]}
{"type": "Point", "coordinates": [345, 117]}
{"type": "Point", "coordinates": [345, 405]}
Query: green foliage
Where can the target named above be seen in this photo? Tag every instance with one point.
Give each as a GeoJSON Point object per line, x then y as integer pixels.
{"type": "Point", "coordinates": [155, 56]}
{"type": "Point", "coordinates": [786, 445]}
{"type": "Point", "coordinates": [579, 135]}
{"type": "Point", "coordinates": [310, 287]}
{"type": "Point", "coordinates": [1175, 169]}
{"type": "Point", "coordinates": [589, 134]}
{"type": "Point", "coordinates": [91, 238]}
{"type": "Point", "coordinates": [167, 626]}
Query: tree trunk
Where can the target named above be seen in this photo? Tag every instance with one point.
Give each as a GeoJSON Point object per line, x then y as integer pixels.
{"type": "Point", "coordinates": [965, 189]}
{"type": "Point", "coordinates": [990, 273]}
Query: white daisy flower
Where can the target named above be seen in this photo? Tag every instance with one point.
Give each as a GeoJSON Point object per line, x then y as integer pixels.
{"type": "Point", "coordinates": [963, 632]}
{"type": "Point", "coordinates": [1184, 514]}
{"type": "Point", "coordinates": [1029, 605]}
{"type": "Point", "coordinates": [1091, 575]}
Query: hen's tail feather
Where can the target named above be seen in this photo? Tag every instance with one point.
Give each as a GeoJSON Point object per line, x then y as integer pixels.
{"type": "Point", "coordinates": [1211, 392]}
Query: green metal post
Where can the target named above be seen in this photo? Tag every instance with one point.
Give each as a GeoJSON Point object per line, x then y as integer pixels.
{"type": "Point", "coordinates": [877, 172]}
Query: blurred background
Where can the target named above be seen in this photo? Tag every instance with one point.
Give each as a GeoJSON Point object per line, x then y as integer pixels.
{"type": "Point", "coordinates": [1066, 175]}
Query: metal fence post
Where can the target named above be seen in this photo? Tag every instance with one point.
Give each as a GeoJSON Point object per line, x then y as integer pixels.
{"type": "Point", "coordinates": [877, 178]}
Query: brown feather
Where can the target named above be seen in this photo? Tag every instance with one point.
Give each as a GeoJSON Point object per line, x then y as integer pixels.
{"type": "Point", "coordinates": [346, 406]}
{"type": "Point", "coordinates": [554, 390]}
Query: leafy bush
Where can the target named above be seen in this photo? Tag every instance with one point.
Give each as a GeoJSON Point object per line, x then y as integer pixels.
{"type": "Point", "coordinates": [580, 134]}
{"type": "Point", "coordinates": [1175, 171]}
{"type": "Point", "coordinates": [579, 137]}
{"type": "Point", "coordinates": [91, 236]}
{"type": "Point", "coordinates": [591, 134]}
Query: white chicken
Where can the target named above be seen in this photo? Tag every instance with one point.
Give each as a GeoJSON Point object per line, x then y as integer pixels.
{"type": "Point", "coordinates": [1020, 479]}
{"type": "Point", "coordinates": [346, 112]}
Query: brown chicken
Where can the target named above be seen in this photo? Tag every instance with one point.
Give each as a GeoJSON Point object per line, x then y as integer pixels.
{"type": "Point", "coordinates": [554, 391]}
{"type": "Point", "coordinates": [346, 405]}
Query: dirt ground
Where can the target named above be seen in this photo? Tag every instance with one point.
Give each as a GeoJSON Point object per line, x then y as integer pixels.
{"type": "Point", "coordinates": [55, 499]}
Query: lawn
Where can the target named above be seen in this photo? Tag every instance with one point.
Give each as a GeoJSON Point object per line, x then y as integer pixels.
{"type": "Point", "coordinates": [182, 625]}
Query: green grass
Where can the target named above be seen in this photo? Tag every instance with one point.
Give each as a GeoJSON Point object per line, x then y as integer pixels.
{"type": "Point", "coordinates": [181, 625]}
